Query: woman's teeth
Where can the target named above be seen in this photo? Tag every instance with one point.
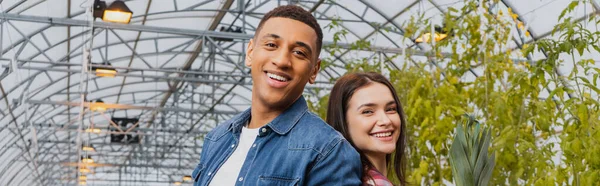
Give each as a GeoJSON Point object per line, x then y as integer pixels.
{"type": "Point", "coordinates": [384, 134]}
{"type": "Point", "coordinates": [277, 77]}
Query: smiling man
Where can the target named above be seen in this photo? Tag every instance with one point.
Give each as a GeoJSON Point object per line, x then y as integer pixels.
{"type": "Point", "coordinates": [278, 141]}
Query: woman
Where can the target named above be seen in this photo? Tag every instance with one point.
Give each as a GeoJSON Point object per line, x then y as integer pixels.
{"type": "Point", "coordinates": [364, 107]}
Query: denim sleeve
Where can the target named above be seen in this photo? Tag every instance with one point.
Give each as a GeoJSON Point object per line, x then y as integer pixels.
{"type": "Point", "coordinates": [198, 170]}
{"type": "Point", "coordinates": [340, 166]}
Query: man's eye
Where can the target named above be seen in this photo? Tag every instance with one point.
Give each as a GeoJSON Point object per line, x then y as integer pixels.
{"type": "Point", "coordinates": [271, 45]}
{"type": "Point", "coordinates": [300, 53]}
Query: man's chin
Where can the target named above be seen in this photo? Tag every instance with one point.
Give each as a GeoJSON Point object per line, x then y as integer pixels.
{"type": "Point", "coordinates": [276, 101]}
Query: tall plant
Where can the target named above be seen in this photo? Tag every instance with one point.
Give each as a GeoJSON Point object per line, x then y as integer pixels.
{"type": "Point", "coordinates": [469, 159]}
{"type": "Point", "coordinates": [544, 126]}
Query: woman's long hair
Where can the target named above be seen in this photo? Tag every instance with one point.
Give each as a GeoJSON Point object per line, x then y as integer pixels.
{"type": "Point", "coordinates": [340, 95]}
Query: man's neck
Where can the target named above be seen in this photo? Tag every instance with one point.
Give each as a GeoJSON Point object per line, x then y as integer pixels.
{"type": "Point", "coordinates": [260, 116]}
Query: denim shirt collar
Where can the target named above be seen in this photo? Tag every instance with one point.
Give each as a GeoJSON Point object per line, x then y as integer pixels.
{"type": "Point", "coordinates": [282, 124]}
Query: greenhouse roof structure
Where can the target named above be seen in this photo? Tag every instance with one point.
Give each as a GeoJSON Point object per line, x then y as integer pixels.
{"type": "Point", "coordinates": [139, 96]}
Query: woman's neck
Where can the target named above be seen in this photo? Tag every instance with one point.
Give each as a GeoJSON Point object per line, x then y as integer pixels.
{"type": "Point", "coordinates": [379, 162]}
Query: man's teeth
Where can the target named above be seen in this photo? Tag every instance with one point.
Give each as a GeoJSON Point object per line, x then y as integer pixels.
{"type": "Point", "coordinates": [277, 77]}
{"type": "Point", "coordinates": [385, 134]}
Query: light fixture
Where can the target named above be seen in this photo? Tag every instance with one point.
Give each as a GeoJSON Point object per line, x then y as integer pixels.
{"type": "Point", "coordinates": [82, 183]}
{"type": "Point", "coordinates": [88, 148]}
{"type": "Point", "coordinates": [104, 70]}
{"type": "Point", "coordinates": [84, 170]}
{"type": "Point", "coordinates": [187, 178]}
{"type": "Point", "coordinates": [177, 183]}
{"type": "Point", "coordinates": [232, 29]}
{"type": "Point", "coordinates": [93, 130]}
{"type": "Point", "coordinates": [87, 160]}
{"type": "Point", "coordinates": [99, 7]}
{"type": "Point", "coordinates": [82, 177]}
{"type": "Point", "coordinates": [438, 35]}
{"type": "Point", "coordinates": [98, 105]}
{"type": "Point", "coordinates": [117, 11]}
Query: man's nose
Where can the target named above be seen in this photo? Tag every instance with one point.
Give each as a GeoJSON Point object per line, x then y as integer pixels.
{"type": "Point", "coordinates": [282, 59]}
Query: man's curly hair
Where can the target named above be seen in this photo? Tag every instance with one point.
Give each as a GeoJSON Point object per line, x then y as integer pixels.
{"type": "Point", "coordinates": [296, 13]}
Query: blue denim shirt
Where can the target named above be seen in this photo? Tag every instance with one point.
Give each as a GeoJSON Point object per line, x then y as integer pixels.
{"type": "Point", "coordinates": [296, 148]}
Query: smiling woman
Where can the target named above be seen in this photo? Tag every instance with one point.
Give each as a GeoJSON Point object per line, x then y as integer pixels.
{"type": "Point", "coordinates": [365, 108]}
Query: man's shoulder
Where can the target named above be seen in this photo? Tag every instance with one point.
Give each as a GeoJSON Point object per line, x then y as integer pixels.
{"type": "Point", "coordinates": [311, 131]}
{"type": "Point", "coordinates": [312, 123]}
{"type": "Point", "coordinates": [222, 128]}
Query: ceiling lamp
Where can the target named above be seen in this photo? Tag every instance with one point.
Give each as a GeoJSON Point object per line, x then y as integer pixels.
{"type": "Point", "coordinates": [87, 160]}
{"type": "Point", "coordinates": [438, 35]}
{"type": "Point", "coordinates": [84, 170]}
{"type": "Point", "coordinates": [231, 29]}
{"type": "Point", "coordinates": [104, 70]}
{"type": "Point", "coordinates": [177, 183]}
{"type": "Point", "coordinates": [82, 177]}
{"type": "Point", "coordinates": [98, 105]}
{"type": "Point", "coordinates": [88, 148]}
{"type": "Point", "coordinates": [82, 182]}
{"type": "Point", "coordinates": [117, 11]}
{"type": "Point", "coordinates": [93, 130]}
{"type": "Point", "coordinates": [187, 178]}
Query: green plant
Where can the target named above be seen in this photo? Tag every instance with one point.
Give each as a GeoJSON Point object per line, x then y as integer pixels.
{"type": "Point", "coordinates": [469, 154]}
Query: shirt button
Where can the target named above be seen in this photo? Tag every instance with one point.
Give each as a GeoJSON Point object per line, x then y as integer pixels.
{"type": "Point", "coordinates": [254, 145]}
{"type": "Point", "coordinates": [209, 173]}
{"type": "Point", "coordinates": [264, 130]}
{"type": "Point", "coordinates": [241, 179]}
{"type": "Point", "coordinates": [232, 145]}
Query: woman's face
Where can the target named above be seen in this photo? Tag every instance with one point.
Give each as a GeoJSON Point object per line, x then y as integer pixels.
{"type": "Point", "coordinates": [373, 120]}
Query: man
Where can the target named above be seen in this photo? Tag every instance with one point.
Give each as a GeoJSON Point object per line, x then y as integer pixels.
{"type": "Point", "coordinates": [278, 141]}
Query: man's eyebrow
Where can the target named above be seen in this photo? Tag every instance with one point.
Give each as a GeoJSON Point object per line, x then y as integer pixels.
{"type": "Point", "coordinates": [274, 36]}
{"type": "Point", "coordinates": [302, 44]}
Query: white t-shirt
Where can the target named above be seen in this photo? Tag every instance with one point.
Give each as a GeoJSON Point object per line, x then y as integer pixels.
{"type": "Point", "coordinates": [227, 174]}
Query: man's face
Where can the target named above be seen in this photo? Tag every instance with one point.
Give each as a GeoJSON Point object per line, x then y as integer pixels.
{"type": "Point", "coordinates": [283, 58]}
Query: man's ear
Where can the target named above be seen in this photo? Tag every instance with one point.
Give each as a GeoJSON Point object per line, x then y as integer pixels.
{"type": "Point", "coordinates": [249, 53]}
{"type": "Point", "coordinates": [314, 72]}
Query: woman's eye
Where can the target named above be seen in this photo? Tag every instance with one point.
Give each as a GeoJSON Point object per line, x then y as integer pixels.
{"type": "Point", "coordinates": [366, 112]}
{"type": "Point", "coordinates": [392, 109]}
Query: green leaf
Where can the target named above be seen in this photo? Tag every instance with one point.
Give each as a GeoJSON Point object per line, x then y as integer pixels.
{"type": "Point", "coordinates": [451, 9]}
{"type": "Point", "coordinates": [596, 47]}
{"type": "Point", "coordinates": [527, 49]}
{"type": "Point", "coordinates": [581, 47]}
{"type": "Point", "coordinates": [585, 80]}
{"type": "Point", "coordinates": [458, 158]}
{"type": "Point", "coordinates": [486, 175]}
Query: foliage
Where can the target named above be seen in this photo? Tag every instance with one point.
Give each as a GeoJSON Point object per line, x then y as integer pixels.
{"type": "Point", "coordinates": [544, 125]}
{"type": "Point", "coordinates": [469, 154]}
